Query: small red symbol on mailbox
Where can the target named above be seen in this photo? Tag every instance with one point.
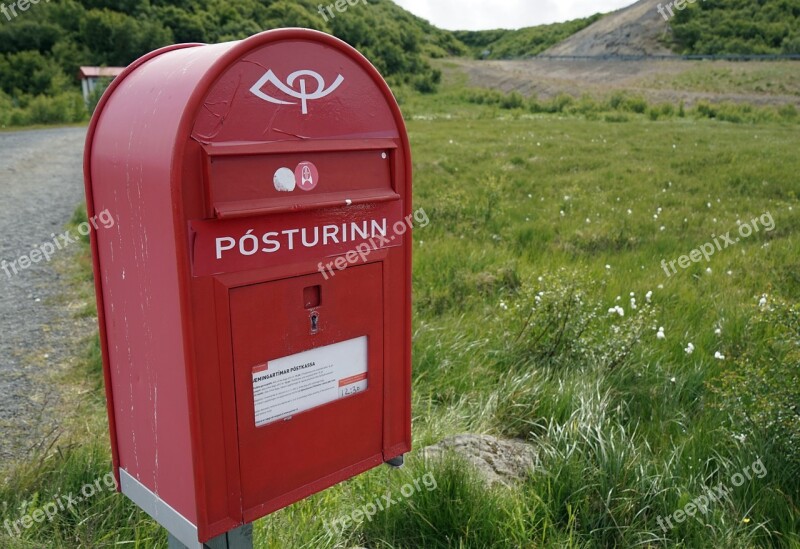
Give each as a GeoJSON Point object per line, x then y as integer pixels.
{"type": "Point", "coordinates": [307, 176]}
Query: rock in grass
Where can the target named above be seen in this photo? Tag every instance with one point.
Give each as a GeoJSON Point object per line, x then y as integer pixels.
{"type": "Point", "coordinates": [496, 460]}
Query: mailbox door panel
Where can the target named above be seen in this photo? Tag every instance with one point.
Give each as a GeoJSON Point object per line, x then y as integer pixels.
{"type": "Point", "coordinates": [308, 367]}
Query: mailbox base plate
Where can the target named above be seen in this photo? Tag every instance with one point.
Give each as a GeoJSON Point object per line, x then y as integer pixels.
{"type": "Point", "coordinates": [179, 526]}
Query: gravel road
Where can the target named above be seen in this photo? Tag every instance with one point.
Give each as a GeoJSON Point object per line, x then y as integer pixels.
{"type": "Point", "coordinates": [41, 183]}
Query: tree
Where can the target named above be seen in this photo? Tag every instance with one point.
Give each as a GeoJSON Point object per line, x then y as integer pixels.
{"type": "Point", "coordinates": [118, 39]}
{"type": "Point", "coordinates": [185, 26]}
{"type": "Point", "coordinates": [29, 35]}
{"type": "Point", "coordinates": [30, 72]}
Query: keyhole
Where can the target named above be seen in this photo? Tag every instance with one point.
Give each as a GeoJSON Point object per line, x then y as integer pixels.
{"type": "Point", "coordinates": [314, 323]}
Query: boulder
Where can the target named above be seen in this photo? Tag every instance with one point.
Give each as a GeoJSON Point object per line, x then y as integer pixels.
{"type": "Point", "coordinates": [498, 461]}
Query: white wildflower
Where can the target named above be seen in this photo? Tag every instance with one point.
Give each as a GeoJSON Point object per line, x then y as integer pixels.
{"type": "Point", "coordinates": [617, 310]}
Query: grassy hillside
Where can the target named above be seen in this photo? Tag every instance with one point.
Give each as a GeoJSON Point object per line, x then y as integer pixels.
{"type": "Point", "coordinates": [42, 48]}
{"type": "Point", "coordinates": [504, 44]}
{"type": "Point", "coordinates": [738, 27]}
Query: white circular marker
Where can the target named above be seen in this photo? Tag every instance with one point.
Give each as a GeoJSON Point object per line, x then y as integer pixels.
{"type": "Point", "coordinates": [284, 180]}
{"type": "Point", "coordinates": [384, 156]}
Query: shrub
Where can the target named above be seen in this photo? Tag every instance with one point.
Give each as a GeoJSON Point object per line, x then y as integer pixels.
{"type": "Point", "coordinates": [65, 108]}
{"type": "Point", "coordinates": [561, 103]}
{"type": "Point", "coordinates": [665, 110]}
{"type": "Point", "coordinates": [762, 389]}
{"type": "Point", "coordinates": [636, 104]}
{"type": "Point", "coordinates": [512, 101]}
{"type": "Point", "coordinates": [554, 323]}
{"type": "Point", "coordinates": [535, 106]}
{"type": "Point", "coordinates": [621, 101]}
{"type": "Point", "coordinates": [483, 96]}
{"type": "Point", "coordinates": [788, 112]}
{"type": "Point", "coordinates": [705, 110]}
{"type": "Point", "coordinates": [585, 105]}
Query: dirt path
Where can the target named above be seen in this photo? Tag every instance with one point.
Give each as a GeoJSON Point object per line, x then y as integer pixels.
{"type": "Point", "coordinates": [41, 183]}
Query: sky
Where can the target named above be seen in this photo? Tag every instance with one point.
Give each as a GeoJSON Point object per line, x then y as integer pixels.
{"type": "Point", "coordinates": [505, 14]}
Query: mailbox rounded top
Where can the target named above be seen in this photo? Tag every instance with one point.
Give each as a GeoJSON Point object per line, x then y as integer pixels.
{"type": "Point", "coordinates": [294, 84]}
{"type": "Point", "coordinates": [279, 85]}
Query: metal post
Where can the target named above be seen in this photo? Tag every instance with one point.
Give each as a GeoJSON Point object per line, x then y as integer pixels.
{"type": "Point", "coordinates": [241, 538]}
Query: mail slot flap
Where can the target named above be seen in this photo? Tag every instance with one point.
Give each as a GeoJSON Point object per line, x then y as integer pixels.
{"type": "Point", "coordinates": [260, 178]}
{"type": "Point", "coordinates": [246, 208]}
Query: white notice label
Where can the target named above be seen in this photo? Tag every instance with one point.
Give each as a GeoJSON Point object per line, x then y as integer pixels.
{"type": "Point", "coordinates": [292, 384]}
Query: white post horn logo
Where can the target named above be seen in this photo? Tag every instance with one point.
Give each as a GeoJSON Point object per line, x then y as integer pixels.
{"type": "Point", "coordinates": [302, 94]}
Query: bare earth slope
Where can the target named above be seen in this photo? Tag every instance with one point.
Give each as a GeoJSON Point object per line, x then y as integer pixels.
{"type": "Point", "coordinates": [759, 83]}
{"type": "Point", "coordinates": [635, 30]}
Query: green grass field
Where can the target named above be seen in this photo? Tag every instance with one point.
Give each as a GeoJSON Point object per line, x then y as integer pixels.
{"type": "Point", "coordinates": [542, 228]}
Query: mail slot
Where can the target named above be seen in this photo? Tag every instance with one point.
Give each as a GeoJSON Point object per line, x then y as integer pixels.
{"type": "Point", "coordinates": [241, 374]}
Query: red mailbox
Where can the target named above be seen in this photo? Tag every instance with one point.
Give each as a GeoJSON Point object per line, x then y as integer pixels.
{"type": "Point", "coordinates": [254, 295]}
